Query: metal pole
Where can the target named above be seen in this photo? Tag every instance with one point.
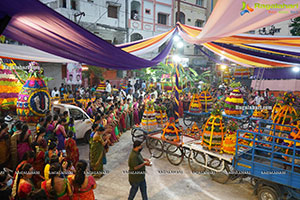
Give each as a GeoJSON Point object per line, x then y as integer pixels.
{"type": "Point", "coordinates": [178, 11]}
{"type": "Point", "coordinates": [126, 21]}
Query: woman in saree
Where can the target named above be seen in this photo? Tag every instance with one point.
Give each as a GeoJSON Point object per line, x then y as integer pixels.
{"type": "Point", "coordinates": [4, 145]}
{"type": "Point", "coordinates": [61, 134]}
{"type": "Point", "coordinates": [122, 117]}
{"type": "Point", "coordinates": [116, 121]}
{"type": "Point", "coordinates": [82, 185]}
{"type": "Point", "coordinates": [24, 183]}
{"type": "Point", "coordinates": [48, 125]}
{"type": "Point", "coordinates": [127, 116]}
{"type": "Point", "coordinates": [136, 118]}
{"type": "Point", "coordinates": [111, 122]}
{"type": "Point", "coordinates": [24, 141]}
{"type": "Point", "coordinates": [57, 187]}
{"type": "Point", "coordinates": [71, 149]}
{"type": "Point", "coordinates": [39, 163]}
{"type": "Point", "coordinates": [97, 152]}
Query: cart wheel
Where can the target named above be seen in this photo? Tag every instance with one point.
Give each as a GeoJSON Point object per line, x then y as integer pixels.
{"type": "Point", "coordinates": [155, 147]}
{"type": "Point", "coordinates": [267, 193]}
{"type": "Point", "coordinates": [186, 152]}
{"type": "Point", "coordinates": [187, 120]}
{"type": "Point", "coordinates": [194, 160]}
{"type": "Point", "coordinates": [137, 135]}
{"type": "Point", "coordinates": [220, 177]}
{"type": "Point", "coordinates": [174, 154]}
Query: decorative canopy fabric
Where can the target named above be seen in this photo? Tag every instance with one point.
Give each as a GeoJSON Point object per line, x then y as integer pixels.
{"type": "Point", "coordinates": [34, 24]}
{"type": "Point", "coordinates": [231, 17]}
{"type": "Point", "coordinates": [17, 52]}
{"type": "Point", "coordinates": [252, 50]}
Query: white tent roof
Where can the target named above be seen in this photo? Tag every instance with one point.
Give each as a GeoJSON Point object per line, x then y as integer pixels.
{"type": "Point", "coordinates": [17, 52]}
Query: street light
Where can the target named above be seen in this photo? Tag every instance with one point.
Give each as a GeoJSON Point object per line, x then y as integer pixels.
{"type": "Point", "coordinates": [176, 58]}
{"type": "Point", "coordinates": [179, 45]}
{"type": "Point", "coordinates": [223, 67]}
{"type": "Point", "coordinates": [176, 38]}
{"type": "Point", "coordinates": [296, 69]}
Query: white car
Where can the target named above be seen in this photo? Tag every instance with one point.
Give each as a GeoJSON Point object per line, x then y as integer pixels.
{"type": "Point", "coordinates": [82, 121]}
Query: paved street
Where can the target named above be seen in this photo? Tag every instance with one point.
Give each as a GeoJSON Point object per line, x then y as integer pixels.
{"type": "Point", "coordinates": [184, 185]}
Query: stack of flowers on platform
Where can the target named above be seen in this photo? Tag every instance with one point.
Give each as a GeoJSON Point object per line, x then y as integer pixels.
{"type": "Point", "coordinates": [206, 101]}
{"type": "Point", "coordinates": [195, 105]}
{"type": "Point", "coordinates": [161, 115]}
{"type": "Point", "coordinates": [286, 114]}
{"type": "Point", "coordinates": [194, 132]}
{"type": "Point", "coordinates": [261, 113]}
{"type": "Point", "coordinates": [149, 122]}
{"type": "Point", "coordinates": [10, 87]}
{"type": "Point", "coordinates": [295, 135]}
{"type": "Point", "coordinates": [241, 73]}
{"type": "Point", "coordinates": [214, 130]}
{"type": "Point", "coordinates": [171, 131]}
{"type": "Point", "coordinates": [234, 101]}
{"type": "Point", "coordinates": [34, 99]}
{"type": "Point", "coordinates": [230, 138]}
{"type": "Point", "coordinates": [101, 87]}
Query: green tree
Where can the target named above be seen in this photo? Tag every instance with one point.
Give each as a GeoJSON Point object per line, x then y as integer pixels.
{"type": "Point", "coordinates": [295, 30]}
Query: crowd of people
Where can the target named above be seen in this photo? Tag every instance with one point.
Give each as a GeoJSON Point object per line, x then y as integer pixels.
{"type": "Point", "coordinates": [44, 163]}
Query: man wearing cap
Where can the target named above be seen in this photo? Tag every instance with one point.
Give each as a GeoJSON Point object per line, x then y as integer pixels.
{"type": "Point", "coordinates": [137, 171]}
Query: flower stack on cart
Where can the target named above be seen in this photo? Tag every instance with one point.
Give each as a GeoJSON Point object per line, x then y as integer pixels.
{"type": "Point", "coordinates": [234, 101]}
{"type": "Point", "coordinates": [149, 122]}
{"type": "Point", "coordinates": [195, 105]}
{"type": "Point", "coordinates": [230, 138]}
{"type": "Point", "coordinates": [206, 99]}
{"type": "Point", "coordinates": [171, 131]}
{"type": "Point", "coordinates": [214, 130]}
{"type": "Point", "coordinates": [161, 115]}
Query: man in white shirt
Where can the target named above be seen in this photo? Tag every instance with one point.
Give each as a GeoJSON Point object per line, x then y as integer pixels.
{"type": "Point", "coordinates": [55, 92]}
{"type": "Point", "coordinates": [108, 87]}
{"type": "Point", "coordinates": [130, 96]}
{"type": "Point", "coordinates": [258, 99]}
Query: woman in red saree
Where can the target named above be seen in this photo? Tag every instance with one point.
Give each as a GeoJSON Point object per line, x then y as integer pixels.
{"type": "Point", "coordinates": [24, 182]}
{"type": "Point", "coordinates": [24, 142]}
{"type": "Point", "coordinates": [56, 187]}
{"type": "Point", "coordinates": [82, 185]}
{"type": "Point", "coordinates": [71, 149]}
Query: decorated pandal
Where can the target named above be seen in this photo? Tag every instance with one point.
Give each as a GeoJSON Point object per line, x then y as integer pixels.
{"type": "Point", "coordinates": [34, 99]}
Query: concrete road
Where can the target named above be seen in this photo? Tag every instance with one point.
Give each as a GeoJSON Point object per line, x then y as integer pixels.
{"type": "Point", "coordinates": [179, 185]}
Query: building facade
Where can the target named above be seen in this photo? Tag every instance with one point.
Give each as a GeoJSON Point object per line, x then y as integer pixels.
{"type": "Point", "coordinates": [194, 13]}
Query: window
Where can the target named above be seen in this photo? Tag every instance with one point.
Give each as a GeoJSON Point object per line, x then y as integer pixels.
{"type": "Point", "coordinates": [77, 114]}
{"type": "Point", "coordinates": [197, 51]}
{"type": "Point", "coordinates": [181, 17]}
{"type": "Point", "coordinates": [135, 10]}
{"type": "Point", "coordinates": [189, 20]}
{"type": "Point", "coordinates": [73, 5]}
{"type": "Point", "coordinates": [199, 23]}
{"type": "Point", "coordinates": [63, 3]}
{"type": "Point", "coordinates": [162, 18]}
{"type": "Point", "coordinates": [200, 2]}
{"type": "Point", "coordinates": [135, 37]}
{"type": "Point", "coordinates": [112, 11]}
{"type": "Point", "coordinates": [148, 11]}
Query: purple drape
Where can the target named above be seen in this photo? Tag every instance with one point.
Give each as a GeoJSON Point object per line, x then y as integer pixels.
{"type": "Point", "coordinates": [279, 73]}
{"type": "Point", "coordinates": [36, 25]}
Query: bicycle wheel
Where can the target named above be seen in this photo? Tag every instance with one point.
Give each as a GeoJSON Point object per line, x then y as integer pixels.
{"type": "Point", "coordinates": [155, 147]}
{"type": "Point", "coordinates": [196, 158]}
{"type": "Point", "coordinates": [174, 154]}
{"type": "Point", "coordinates": [224, 175]}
